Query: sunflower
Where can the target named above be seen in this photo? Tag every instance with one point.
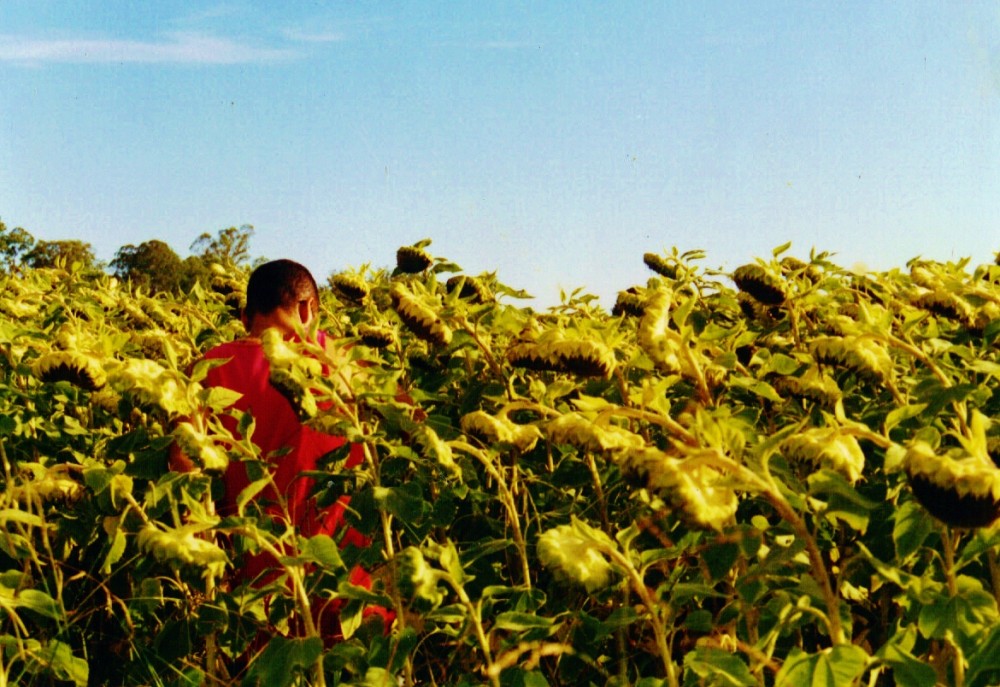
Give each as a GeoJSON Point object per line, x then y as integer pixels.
{"type": "Point", "coordinates": [76, 368]}
{"type": "Point", "coordinates": [412, 259]}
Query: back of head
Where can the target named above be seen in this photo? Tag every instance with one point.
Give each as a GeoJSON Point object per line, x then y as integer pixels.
{"type": "Point", "coordinates": [278, 284]}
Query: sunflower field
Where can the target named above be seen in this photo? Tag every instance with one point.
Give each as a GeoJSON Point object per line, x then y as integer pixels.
{"type": "Point", "coordinates": [784, 475]}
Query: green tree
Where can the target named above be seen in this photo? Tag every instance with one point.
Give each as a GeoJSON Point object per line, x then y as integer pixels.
{"type": "Point", "coordinates": [14, 244]}
{"type": "Point", "coordinates": [67, 252]}
{"type": "Point", "coordinates": [230, 247]}
{"type": "Point", "coordinates": [152, 264]}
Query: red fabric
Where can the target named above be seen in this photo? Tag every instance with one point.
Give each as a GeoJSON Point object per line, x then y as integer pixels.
{"type": "Point", "coordinates": [289, 445]}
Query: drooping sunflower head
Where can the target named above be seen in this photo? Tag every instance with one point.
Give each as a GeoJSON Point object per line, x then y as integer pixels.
{"type": "Point", "coordinates": [575, 553]}
{"type": "Point", "coordinates": [67, 366]}
{"type": "Point", "coordinates": [350, 285]}
{"type": "Point", "coordinates": [957, 488]}
{"type": "Point", "coordinates": [412, 259]}
{"type": "Point", "coordinates": [765, 286]}
{"type": "Point", "coordinates": [863, 355]}
{"type": "Point", "coordinates": [375, 336]}
{"type": "Point", "coordinates": [500, 430]}
{"type": "Point", "coordinates": [826, 447]}
{"type": "Point", "coordinates": [699, 494]}
{"type": "Point", "coordinates": [659, 265]}
{"type": "Point", "coordinates": [418, 317]}
{"type": "Point", "coordinates": [469, 288]}
{"type": "Point", "coordinates": [945, 304]}
{"type": "Point", "coordinates": [629, 302]}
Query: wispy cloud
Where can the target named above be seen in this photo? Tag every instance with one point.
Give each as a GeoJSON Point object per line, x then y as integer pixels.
{"type": "Point", "coordinates": [301, 36]}
{"type": "Point", "coordinates": [175, 48]}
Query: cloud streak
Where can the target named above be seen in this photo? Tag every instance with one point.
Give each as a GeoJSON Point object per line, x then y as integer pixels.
{"type": "Point", "coordinates": [175, 48]}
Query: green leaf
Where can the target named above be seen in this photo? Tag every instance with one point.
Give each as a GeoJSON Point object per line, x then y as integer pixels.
{"type": "Point", "coordinates": [283, 659]}
{"type": "Point", "coordinates": [903, 413]}
{"type": "Point", "coordinates": [323, 550]}
{"type": "Point", "coordinates": [219, 397]}
{"type": "Point", "coordinates": [784, 364]}
{"type": "Point", "coordinates": [38, 601]}
{"type": "Point", "coordinates": [781, 249]}
{"type": "Point", "coordinates": [984, 663]}
{"type": "Point", "coordinates": [843, 501]}
{"type": "Point", "coordinates": [59, 659]}
{"type": "Point", "coordinates": [721, 558]}
{"type": "Point", "coordinates": [719, 668]}
{"type": "Point", "coordinates": [519, 622]}
{"type": "Point", "coordinates": [836, 667]}
{"type": "Point", "coordinates": [965, 617]}
{"type": "Point", "coordinates": [907, 669]}
{"type": "Point", "coordinates": [912, 527]}
{"type": "Point", "coordinates": [762, 389]}
{"type": "Point", "coordinates": [404, 502]}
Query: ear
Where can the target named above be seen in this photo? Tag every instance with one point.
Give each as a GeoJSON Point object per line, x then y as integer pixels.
{"type": "Point", "coordinates": [307, 310]}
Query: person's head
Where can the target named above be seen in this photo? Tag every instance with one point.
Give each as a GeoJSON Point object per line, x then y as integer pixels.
{"type": "Point", "coordinates": [280, 288]}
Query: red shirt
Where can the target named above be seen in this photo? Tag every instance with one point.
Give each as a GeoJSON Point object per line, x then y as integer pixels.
{"type": "Point", "coordinates": [283, 440]}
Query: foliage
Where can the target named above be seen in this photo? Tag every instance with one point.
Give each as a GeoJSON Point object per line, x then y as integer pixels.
{"type": "Point", "coordinates": [152, 264]}
{"type": "Point", "coordinates": [61, 252]}
{"type": "Point", "coordinates": [230, 247]}
{"type": "Point", "coordinates": [722, 483]}
{"type": "Point", "coordinates": [14, 244]}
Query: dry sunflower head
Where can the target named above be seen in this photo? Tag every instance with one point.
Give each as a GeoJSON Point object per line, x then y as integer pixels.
{"type": "Point", "coordinates": [826, 447]}
{"type": "Point", "coordinates": [761, 283]}
{"type": "Point", "coordinates": [580, 431]}
{"type": "Point", "coordinates": [574, 553]}
{"type": "Point", "coordinates": [659, 265]}
{"type": "Point", "coordinates": [863, 355]}
{"type": "Point", "coordinates": [556, 353]}
{"type": "Point", "coordinates": [946, 304]}
{"type": "Point", "coordinates": [629, 302]}
{"type": "Point", "coordinates": [375, 336]}
{"type": "Point", "coordinates": [469, 288]}
{"type": "Point", "coordinates": [412, 259]}
{"type": "Point", "coordinates": [958, 488]}
{"type": "Point", "coordinates": [699, 493]}
{"type": "Point", "coordinates": [78, 369]}
{"type": "Point", "coordinates": [418, 317]}
{"type": "Point", "coordinates": [812, 384]}
{"type": "Point", "coordinates": [500, 430]}
{"type": "Point", "coordinates": [350, 285]}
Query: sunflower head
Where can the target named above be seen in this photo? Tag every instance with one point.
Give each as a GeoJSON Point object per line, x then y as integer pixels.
{"type": "Point", "coordinates": [825, 447]}
{"type": "Point", "coordinates": [412, 260]}
{"type": "Point", "coordinates": [469, 288]}
{"type": "Point", "coordinates": [351, 286]}
{"type": "Point", "coordinates": [376, 337]}
{"type": "Point", "coordinates": [575, 553]}
{"type": "Point", "coordinates": [629, 302]}
{"type": "Point", "coordinates": [419, 317]}
{"type": "Point", "coordinates": [761, 283]}
{"type": "Point", "coordinates": [957, 488]}
{"type": "Point", "coordinates": [76, 368]}
{"type": "Point", "coordinates": [659, 265]}
{"type": "Point", "coordinates": [699, 494]}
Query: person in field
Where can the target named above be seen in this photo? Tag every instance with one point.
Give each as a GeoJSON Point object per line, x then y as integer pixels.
{"type": "Point", "coordinates": [281, 294]}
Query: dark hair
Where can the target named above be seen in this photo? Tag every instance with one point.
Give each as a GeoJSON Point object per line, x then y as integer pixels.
{"type": "Point", "coordinates": [278, 284]}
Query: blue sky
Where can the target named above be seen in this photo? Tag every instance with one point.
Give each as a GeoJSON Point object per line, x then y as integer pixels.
{"type": "Point", "coordinates": [553, 143]}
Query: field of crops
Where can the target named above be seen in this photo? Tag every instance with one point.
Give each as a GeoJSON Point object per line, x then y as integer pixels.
{"type": "Point", "coordinates": [780, 476]}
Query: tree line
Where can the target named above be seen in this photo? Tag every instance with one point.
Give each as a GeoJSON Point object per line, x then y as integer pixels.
{"type": "Point", "coordinates": [151, 264]}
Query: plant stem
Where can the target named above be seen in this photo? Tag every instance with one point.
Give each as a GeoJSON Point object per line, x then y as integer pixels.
{"type": "Point", "coordinates": [948, 546]}
{"type": "Point", "coordinates": [510, 505]}
{"type": "Point", "coordinates": [653, 606]}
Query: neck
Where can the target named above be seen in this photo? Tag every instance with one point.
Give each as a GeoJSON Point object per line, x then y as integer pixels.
{"type": "Point", "coordinates": [279, 319]}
